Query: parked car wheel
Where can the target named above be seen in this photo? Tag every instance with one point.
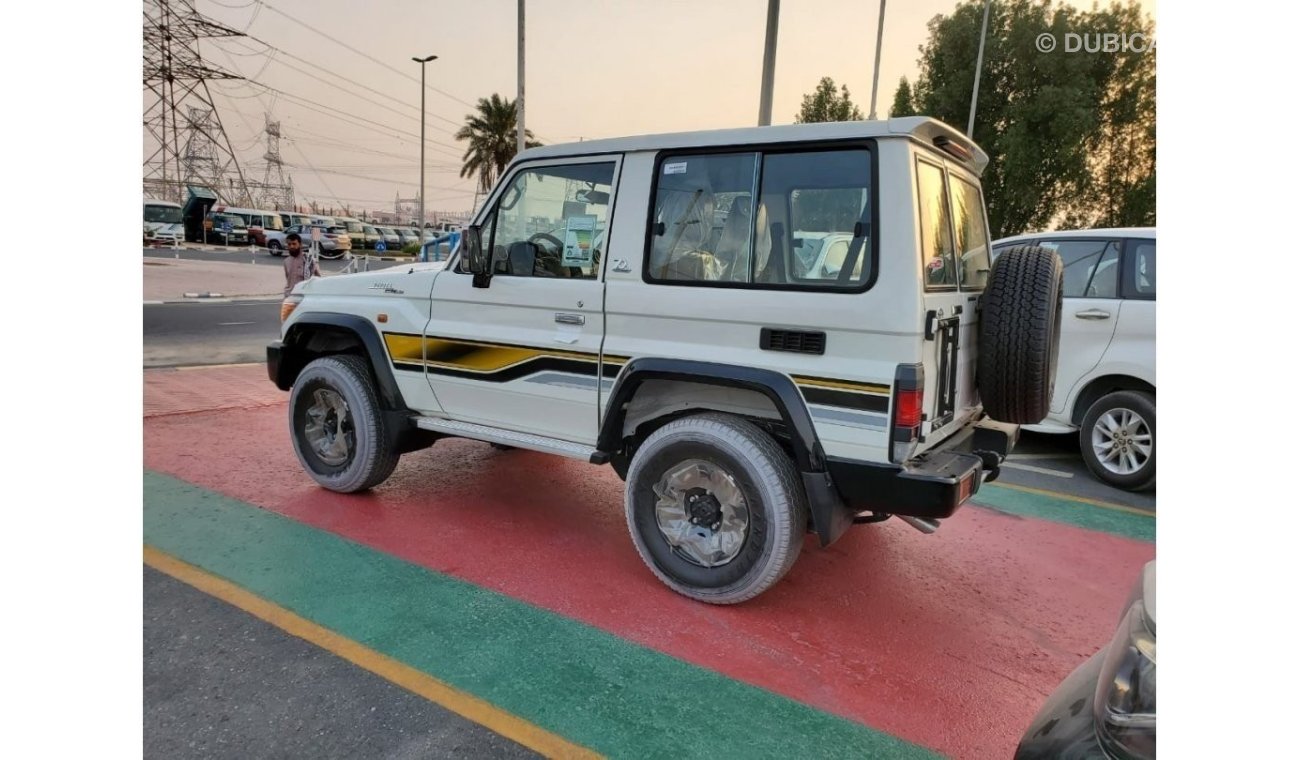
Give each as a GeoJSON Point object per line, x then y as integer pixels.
{"type": "Point", "coordinates": [339, 431]}
{"type": "Point", "coordinates": [1118, 440]}
{"type": "Point", "coordinates": [1020, 335]}
{"type": "Point", "coordinates": [337, 253]}
{"type": "Point", "coordinates": [275, 248]}
{"type": "Point", "coordinates": [715, 508]}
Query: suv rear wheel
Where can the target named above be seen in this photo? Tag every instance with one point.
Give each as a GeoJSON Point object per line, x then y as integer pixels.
{"type": "Point", "coordinates": [715, 508]}
{"type": "Point", "coordinates": [338, 427]}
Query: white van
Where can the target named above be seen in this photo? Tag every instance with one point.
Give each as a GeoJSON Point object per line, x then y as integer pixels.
{"type": "Point", "coordinates": [163, 222]}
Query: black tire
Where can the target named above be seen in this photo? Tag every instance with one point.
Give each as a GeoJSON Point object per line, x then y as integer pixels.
{"type": "Point", "coordinates": [337, 253]}
{"type": "Point", "coordinates": [1020, 335]}
{"type": "Point", "coordinates": [274, 247]}
{"type": "Point", "coordinates": [1102, 452]}
{"type": "Point", "coordinates": [762, 473]}
{"type": "Point", "coordinates": [369, 456]}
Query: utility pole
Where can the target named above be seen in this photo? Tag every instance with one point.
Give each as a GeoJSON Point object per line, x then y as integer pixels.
{"type": "Point", "coordinates": [979, 64]}
{"type": "Point", "coordinates": [519, 99]}
{"type": "Point", "coordinates": [769, 64]}
{"type": "Point", "coordinates": [422, 61]}
{"type": "Point", "coordinates": [875, 75]}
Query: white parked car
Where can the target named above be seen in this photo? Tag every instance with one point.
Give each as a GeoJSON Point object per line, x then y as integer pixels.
{"type": "Point", "coordinates": [1106, 375]}
{"type": "Point", "coordinates": [599, 308]}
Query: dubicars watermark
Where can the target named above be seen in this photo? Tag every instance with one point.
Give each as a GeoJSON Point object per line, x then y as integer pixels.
{"type": "Point", "coordinates": [1108, 42]}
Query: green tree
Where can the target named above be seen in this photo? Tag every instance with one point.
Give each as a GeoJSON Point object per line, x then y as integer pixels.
{"type": "Point", "coordinates": [1070, 136]}
{"type": "Point", "coordinates": [827, 104]}
{"type": "Point", "coordinates": [904, 105]}
{"type": "Point", "coordinates": [491, 133]}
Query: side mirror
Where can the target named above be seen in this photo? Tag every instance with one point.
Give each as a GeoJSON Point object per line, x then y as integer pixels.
{"type": "Point", "coordinates": [479, 264]}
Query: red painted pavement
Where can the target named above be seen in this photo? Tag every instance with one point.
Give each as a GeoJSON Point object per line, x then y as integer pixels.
{"type": "Point", "coordinates": [951, 641]}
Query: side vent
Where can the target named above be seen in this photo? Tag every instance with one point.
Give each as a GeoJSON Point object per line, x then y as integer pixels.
{"type": "Point", "coordinates": [792, 340]}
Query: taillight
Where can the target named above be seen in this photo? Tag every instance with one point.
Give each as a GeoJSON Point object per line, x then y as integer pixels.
{"type": "Point", "coordinates": [906, 413]}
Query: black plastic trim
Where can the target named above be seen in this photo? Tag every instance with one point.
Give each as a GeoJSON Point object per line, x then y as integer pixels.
{"type": "Point", "coordinates": [776, 386]}
{"type": "Point", "coordinates": [291, 356]}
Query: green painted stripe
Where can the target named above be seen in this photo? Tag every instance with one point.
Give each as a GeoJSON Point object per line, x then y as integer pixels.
{"type": "Point", "coordinates": [591, 687]}
{"type": "Point", "coordinates": [1068, 511]}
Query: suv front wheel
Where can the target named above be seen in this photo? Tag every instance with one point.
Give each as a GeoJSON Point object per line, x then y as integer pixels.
{"type": "Point", "coordinates": [715, 508]}
{"type": "Point", "coordinates": [338, 427]}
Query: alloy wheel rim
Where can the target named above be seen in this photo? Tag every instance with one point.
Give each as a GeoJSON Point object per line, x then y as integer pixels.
{"type": "Point", "coordinates": [329, 430]}
{"type": "Point", "coordinates": [701, 512]}
{"type": "Point", "coordinates": [1122, 441]}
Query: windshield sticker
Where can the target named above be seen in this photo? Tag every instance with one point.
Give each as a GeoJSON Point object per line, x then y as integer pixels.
{"type": "Point", "coordinates": [677, 168]}
{"type": "Point", "coordinates": [578, 235]}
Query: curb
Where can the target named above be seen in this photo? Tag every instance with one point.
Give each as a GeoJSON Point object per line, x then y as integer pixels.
{"type": "Point", "coordinates": [213, 298]}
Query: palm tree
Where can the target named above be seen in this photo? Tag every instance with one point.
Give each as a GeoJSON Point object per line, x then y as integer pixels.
{"type": "Point", "coordinates": [491, 133]}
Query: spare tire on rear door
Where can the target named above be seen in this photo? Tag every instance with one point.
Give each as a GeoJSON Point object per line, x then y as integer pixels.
{"type": "Point", "coordinates": [1020, 334]}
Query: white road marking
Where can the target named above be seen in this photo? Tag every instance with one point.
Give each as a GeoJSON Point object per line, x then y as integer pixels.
{"type": "Point", "coordinates": [227, 324]}
{"type": "Point", "coordinates": [1040, 470]}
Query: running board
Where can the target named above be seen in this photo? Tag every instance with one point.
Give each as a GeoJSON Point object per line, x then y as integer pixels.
{"type": "Point", "coordinates": [510, 438]}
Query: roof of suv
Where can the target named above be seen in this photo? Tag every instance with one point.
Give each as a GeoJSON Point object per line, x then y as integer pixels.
{"type": "Point", "coordinates": [922, 128]}
{"type": "Point", "coordinates": [1125, 232]}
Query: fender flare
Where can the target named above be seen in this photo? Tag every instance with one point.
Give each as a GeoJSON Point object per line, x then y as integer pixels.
{"type": "Point", "coordinates": [830, 516]}
{"type": "Point", "coordinates": [293, 356]}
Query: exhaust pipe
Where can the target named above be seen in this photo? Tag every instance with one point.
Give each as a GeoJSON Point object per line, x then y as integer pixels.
{"type": "Point", "coordinates": [925, 526]}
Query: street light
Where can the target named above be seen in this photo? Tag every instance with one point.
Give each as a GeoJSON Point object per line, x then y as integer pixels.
{"type": "Point", "coordinates": [422, 61]}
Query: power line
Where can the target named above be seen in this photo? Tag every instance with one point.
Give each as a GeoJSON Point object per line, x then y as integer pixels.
{"type": "Point", "coordinates": [361, 97]}
{"type": "Point", "coordinates": [349, 119]}
{"type": "Point", "coordinates": [336, 41]}
{"type": "Point", "coordinates": [337, 75]}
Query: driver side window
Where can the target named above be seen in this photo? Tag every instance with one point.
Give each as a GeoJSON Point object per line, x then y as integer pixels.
{"type": "Point", "coordinates": [551, 222]}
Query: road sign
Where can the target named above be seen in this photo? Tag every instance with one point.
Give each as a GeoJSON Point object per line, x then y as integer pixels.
{"type": "Point", "coordinates": [381, 246]}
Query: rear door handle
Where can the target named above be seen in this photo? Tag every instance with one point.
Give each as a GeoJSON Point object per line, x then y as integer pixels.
{"type": "Point", "coordinates": [1092, 314]}
{"type": "Point", "coordinates": [570, 319]}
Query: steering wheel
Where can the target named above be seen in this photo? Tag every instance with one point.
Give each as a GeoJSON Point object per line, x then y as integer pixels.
{"type": "Point", "coordinates": [553, 240]}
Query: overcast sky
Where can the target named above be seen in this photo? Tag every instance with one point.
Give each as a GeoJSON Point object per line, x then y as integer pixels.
{"type": "Point", "coordinates": [594, 69]}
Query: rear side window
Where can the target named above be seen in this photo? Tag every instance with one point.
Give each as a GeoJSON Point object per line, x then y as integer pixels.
{"type": "Point", "coordinates": [1142, 280]}
{"type": "Point", "coordinates": [972, 235]}
{"type": "Point", "coordinates": [787, 220]}
{"type": "Point", "coordinates": [936, 230]}
{"type": "Point", "coordinates": [1091, 267]}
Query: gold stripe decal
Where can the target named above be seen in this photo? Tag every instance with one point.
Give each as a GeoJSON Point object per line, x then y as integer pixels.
{"type": "Point", "coordinates": [486, 358]}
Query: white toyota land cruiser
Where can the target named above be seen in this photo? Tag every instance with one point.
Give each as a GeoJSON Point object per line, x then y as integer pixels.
{"type": "Point", "coordinates": [643, 302]}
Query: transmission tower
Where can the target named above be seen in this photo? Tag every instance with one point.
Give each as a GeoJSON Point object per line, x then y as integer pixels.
{"type": "Point", "coordinates": [277, 192]}
{"type": "Point", "coordinates": [185, 142]}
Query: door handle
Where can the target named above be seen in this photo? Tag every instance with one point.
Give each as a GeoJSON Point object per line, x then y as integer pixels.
{"type": "Point", "coordinates": [570, 319]}
{"type": "Point", "coordinates": [1092, 314]}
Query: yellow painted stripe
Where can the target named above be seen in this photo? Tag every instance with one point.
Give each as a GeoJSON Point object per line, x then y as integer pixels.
{"type": "Point", "coordinates": [465, 705]}
{"type": "Point", "coordinates": [844, 385]}
{"type": "Point", "coordinates": [1071, 497]}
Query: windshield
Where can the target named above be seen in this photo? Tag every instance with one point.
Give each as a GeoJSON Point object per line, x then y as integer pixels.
{"type": "Point", "coordinates": [272, 222]}
{"type": "Point", "coordinates": [353, 226]}
{"type": "Point", "coordinates": [162, 214]}
{"type": "Point", "coordinates": [231, 219]}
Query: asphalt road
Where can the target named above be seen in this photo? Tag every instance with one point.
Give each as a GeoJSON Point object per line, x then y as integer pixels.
{"type": "Point", "coordinates": [185, 334]}
{"type": "Point", "coordinates": [220, 683]}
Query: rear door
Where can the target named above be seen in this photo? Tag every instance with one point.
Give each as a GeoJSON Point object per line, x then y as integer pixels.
{"type": "Point", "coordinates": [1091, 309]}
{"type": "Point", "coordinates": [954, 246]}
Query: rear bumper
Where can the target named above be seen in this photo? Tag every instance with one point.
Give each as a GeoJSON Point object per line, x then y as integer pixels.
{"type": "Point", "coordinates": [932, 485]}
